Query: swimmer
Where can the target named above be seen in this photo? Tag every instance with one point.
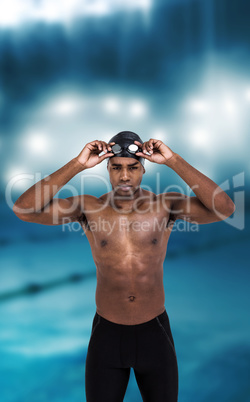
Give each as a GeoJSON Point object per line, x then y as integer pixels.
{"type": "Point", "coordinates": [128, 230]}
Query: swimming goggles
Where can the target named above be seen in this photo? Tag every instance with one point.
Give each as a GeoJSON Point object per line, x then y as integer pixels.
{"type": "Point", "coordinates": [132, 148]}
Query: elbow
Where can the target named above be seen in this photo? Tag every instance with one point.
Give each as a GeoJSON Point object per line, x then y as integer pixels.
{"type": "Point", "coordinates": [24, 214]}
{"type": "Point", "coordinates": [20, 212]}
{"type": "Point", "coordinates": [230, 209]}
{"type": "Point", "coordinates": [20, 216]}
{"type": "Point", "coordinates": [16, 209]}
{"type": "Point", "coordinates": [224, 206]}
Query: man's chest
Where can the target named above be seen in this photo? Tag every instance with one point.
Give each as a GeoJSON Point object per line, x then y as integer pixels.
{"type": "Point", "coordinates": [144, 227]}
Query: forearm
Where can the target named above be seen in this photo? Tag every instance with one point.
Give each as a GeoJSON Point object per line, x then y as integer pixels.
{"type": "Point", "coordinates": [208, 192]}
{"type": "Point", "coordinates": [37, 197]}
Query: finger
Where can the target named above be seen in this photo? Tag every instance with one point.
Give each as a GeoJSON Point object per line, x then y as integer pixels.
{"type": "Point", "coordinates": [101, 146]}
{"type": "Point", "coordinates": [148, 148]}
{"type": "Point", "coordinates": [96, 144]}
{"type": "Point", "coordinates": [143, 147]}
{"type": "Point", "coordinates": [145, 156]}
{"type": "Point", "coordinates": [105, 156]}
{"type": "Point", "coordinates": [157, 143]}
{"type": "Point", "coordinates": [151, 143]}
{"type": "Point", "coordinates": [110, 144]}
{"type": "Point", "coordinates": [104, 146]}
{"type": "Point", "coordinates": [138, 143]}
{"type": "Point", "coordinates": [154, 144]}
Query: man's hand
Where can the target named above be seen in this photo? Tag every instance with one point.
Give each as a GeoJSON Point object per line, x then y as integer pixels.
{"type": "Point", "coordinates": [158, 151]}
{"type": "Point", "coordinates": [89, 156]}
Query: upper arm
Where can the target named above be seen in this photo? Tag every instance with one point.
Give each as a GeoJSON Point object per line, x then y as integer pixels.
{"type": "Point", "coordinates": [191, 209]}
{"type": "Point", "coordinates": [57, 212]}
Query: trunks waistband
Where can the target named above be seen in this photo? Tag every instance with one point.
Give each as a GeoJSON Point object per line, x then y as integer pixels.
{"type": "Point", "coordinates": [161, 317]}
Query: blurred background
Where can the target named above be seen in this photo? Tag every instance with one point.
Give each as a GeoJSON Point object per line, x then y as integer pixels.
{"type": "Point", "coordinates": [72, 71]}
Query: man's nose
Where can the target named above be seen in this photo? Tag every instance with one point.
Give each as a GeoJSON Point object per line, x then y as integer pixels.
{"type": "Point", "coordinates": [124, 175]}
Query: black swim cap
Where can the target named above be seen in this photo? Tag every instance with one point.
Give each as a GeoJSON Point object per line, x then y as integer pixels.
{"type": "Point", "coordinates": [123, 140]}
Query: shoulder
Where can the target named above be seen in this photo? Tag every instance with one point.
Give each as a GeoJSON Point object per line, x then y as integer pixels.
{"type": "Point", "coordinates": [104, 197]}
{"type": "Point", "coordinates": [84, 202]}
{"type": "Point", "coordinates": [170, 202]}
{"type": "Point", "coordinates": [149, 194]}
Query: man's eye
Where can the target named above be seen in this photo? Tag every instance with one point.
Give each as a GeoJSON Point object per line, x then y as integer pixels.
{"type": "Point", "coordinates": [134, 167]}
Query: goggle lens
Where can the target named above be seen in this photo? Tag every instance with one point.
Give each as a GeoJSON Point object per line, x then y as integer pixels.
{"type": "Point", "coordinates": [116, 149]}
{"type": "Point", "coordinates": [132, 148]}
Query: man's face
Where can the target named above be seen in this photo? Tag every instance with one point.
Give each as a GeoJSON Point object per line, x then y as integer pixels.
{"type": "Point", "coordinates": [125, 175]}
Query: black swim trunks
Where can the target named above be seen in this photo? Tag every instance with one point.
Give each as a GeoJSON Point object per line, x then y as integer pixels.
{"type": "Point", "coordinates": [114, 349]}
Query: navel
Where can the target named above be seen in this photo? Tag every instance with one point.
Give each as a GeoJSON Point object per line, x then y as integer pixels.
{"type": "Point", "coordinates": [103, 243]}
{"type": "Point", "coordinates": [132, 298]}
{"type": "Point", "coordinates": [154, 241]}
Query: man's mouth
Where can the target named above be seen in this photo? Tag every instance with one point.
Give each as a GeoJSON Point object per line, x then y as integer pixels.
{"type": "Point", "coordinates": [124, 187]}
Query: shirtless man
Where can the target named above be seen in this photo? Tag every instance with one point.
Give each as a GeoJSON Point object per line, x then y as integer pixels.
{"type": "Point", "coordinates": [128, 230]}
